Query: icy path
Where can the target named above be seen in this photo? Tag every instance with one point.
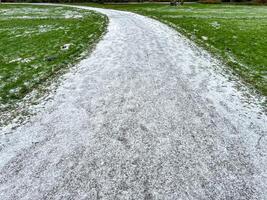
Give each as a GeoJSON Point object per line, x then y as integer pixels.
{"type": "Point", "coordinates": [146, 116]}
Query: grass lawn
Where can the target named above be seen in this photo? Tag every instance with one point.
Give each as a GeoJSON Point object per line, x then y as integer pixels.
{"type": "Point", "coordinates": [235, 33]}
{"type": "Point", "coordinates": [36, 42]}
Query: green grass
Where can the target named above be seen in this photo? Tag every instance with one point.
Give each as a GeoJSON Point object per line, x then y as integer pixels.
{"type": "Point", "coordinates": [235, 33]}
{"type": "Point", "coordinates": [31, 41]}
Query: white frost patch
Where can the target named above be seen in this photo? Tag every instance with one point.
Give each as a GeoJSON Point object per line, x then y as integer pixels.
{"type": "Point", "coordinates": [18, 32]}
{"type": "Point", "coordinates": [73, 14]}
{"type": "Point", "coordinates": [14, 90]}
{"type": "Point", "coordinates": [201, 16]}
{"type": "Point", "coordinates": [204, 38]}
{"type": "Point", "coordinates": [22, 11]}
{"type": "Point", "coordinates": [45, 28]}
{"type": "Point", "coordinates": [215, 25]}
{"type": "Point", "coordinates": [41, 13]}
{"type": "Point", "coordinates": [16, 60]}
{"type": "Point", "coordinates": [22, 60]}
{"type": "Point", "coordinates": [65, 47]}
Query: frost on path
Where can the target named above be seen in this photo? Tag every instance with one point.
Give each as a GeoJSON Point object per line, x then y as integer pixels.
{"type": "Point", "coordinates": [146, 116]}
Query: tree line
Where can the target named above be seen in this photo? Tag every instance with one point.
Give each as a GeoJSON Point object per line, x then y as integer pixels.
{"type": "Point", "coordinates": [125, 1]}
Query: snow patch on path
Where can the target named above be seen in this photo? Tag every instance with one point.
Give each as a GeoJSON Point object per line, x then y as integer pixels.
{"type": "Point", "coordinates": [147, 116]}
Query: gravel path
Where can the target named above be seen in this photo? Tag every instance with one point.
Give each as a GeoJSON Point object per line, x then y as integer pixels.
{"type": "Point", "coordinates": [148, 115]}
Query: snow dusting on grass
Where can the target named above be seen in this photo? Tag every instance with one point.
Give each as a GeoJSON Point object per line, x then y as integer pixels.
{"type": "Point", "coordinates": [215, 24]}
{"type": "Point", "coordinates": [39, 41]}
{"type": "Point", "coordinates": [28, 12]}
{"type": "Point", "coordinates": [204, 38]}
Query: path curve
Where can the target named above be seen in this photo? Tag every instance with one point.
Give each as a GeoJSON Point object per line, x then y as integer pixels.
{"type": "Point", "coordinates": [147, 115]}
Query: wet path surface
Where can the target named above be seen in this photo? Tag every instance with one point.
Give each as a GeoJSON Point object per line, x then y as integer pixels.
{"type": "Point", "coordinates": [145, 116]}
